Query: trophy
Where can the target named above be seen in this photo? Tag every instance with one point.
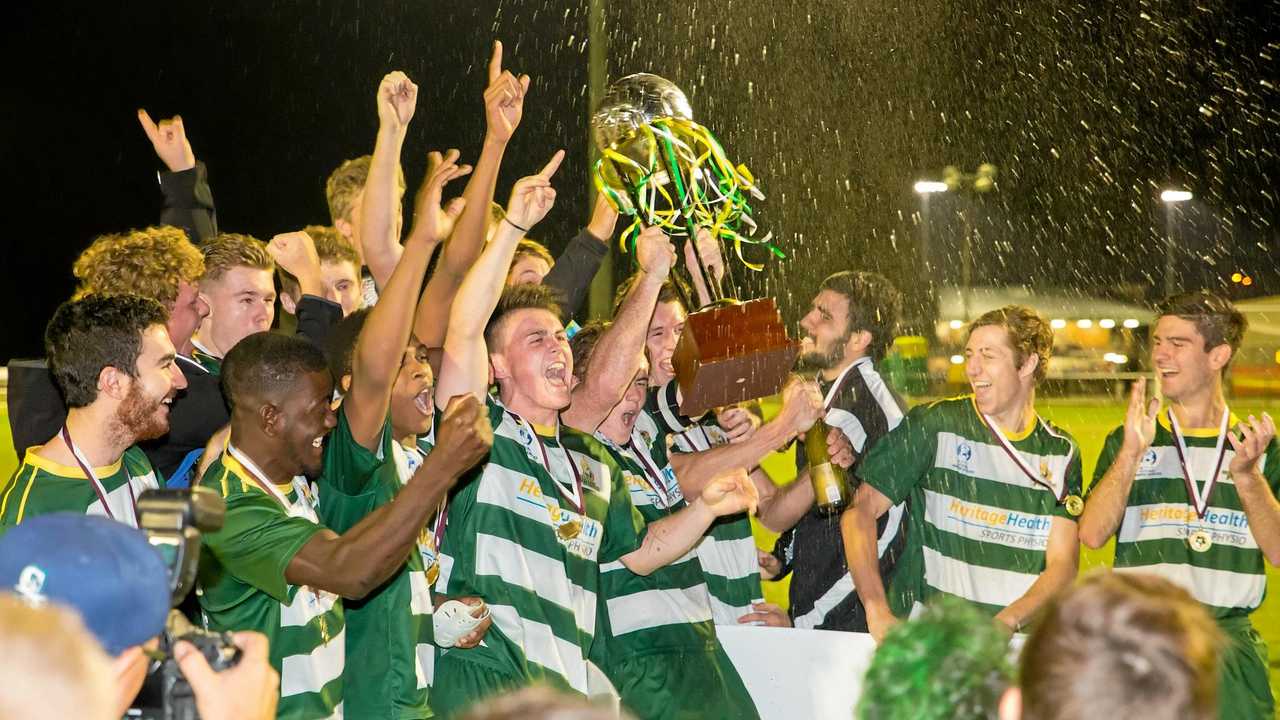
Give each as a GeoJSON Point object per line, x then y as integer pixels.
{"type": "Point", "coordinates": [661, 168]}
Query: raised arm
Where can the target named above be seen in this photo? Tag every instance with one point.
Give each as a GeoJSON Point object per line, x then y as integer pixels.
{"type": "Point", "coordinates": [1107, 501]}
{"type": "Point", "coordinates": [668, 539]}
{"type": "Point", "coordinates": [621, 348]}
{"type": "Point", "coordinates": [1260, 505]}
{"type": "Point", "coordinates": [464, 367]}
{"type": "Point", "coordinates": [578, 264]}
{"type": "Point", "coordinates": [380, 347]}
{"type": "Point", "coordinates": [358, 561]}
{"type": "Point", "coordinates": [397, 99]}
{"type": "Point", "coordinates": [188, 200]}
{"type": "Point", "coordinates": [503, 109]}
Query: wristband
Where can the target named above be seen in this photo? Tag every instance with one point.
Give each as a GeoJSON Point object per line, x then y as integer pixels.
{"type": "Point", "coordinates": [508, 221]}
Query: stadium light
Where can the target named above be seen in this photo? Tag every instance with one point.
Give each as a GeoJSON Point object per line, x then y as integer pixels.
{"type": "Point", "coordinates": [1084, 324]}
{"type": "Point", "coordinates": [956, 324]}
{"type": "Point", "coordinates": [1058, 323]}
{"type": "Point", "coordinates": [929, 187]}
{"type": "Point", "coordinates": [1131, 323]}
{"type": "Point", "coordinates": [957, 359]}
{"type": "Point", "coordinates": [1175, 196]}
{"type": "Point", "coordinates": [1106, 323]}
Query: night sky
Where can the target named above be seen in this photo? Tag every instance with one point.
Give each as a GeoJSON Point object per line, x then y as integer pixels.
{"type": "Point", "coordinates": [837, 107]}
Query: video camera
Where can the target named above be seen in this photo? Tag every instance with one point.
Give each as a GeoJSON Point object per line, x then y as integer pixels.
{"type": "Point", "coordinates": [173, 521]}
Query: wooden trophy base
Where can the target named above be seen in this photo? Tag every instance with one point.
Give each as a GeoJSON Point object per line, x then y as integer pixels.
{"type": "Point", "coordinates": [732, 353]}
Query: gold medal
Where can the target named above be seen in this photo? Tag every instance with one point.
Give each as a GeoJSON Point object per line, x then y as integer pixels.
{"type": "Point", "coordinates": [569, 530]}
{"type": "Point", "coordinates": [1075, 505]}
{"type": "Point", "coordinates": [433, 573]}
{"type": "Point", "coordinates": [1200, 541]}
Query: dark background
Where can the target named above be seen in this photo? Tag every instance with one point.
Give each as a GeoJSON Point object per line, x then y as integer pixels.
{"type": "Point", "coordinates": [837, 106]}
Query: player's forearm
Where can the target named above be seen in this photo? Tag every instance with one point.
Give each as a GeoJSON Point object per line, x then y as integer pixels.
{"type": "Point", "coordinates": [858, 533]}
{"type": "Point", "coordinates": [1105, 509]}
{"type": "Point", "coordinates": [1262, 511]}
{"type": "Point", "coordinates": [695, 470]}
{"type": "Point", "coordinates": [787, 505]}
{"type": "Point", "coordinates": [668, 539]}
{"type": "Point", "coordinates": [1058, 574]}
{"type": "Point", "coordinates": [617, 355]}
{"type": "Point", "coordinates": [467, 240]}
{"type": "Point", "coordinates": [365, 556]}
{"type": "Point", "coordinates": [378, 207]}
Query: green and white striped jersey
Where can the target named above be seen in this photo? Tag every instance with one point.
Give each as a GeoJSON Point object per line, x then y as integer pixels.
{"type": "Point", "coordinates": [205, 358]}
{"type": "Point", "coordinates": [516, 539]}
{"type": "Point", "coordinates": [243, 586]}
{"type": "Point", "coordinates": [979, 526]}
{"type": "Point", "coordinates": [669, 609]}
{"type": "Point", "coordinates": [40, 486]}
{"type": "Point", "coordinates": [1229, 577]}
{"type": "Point", "coordinates": [728, 552]}
{"type": "Point", "coordinates": [389, 631]}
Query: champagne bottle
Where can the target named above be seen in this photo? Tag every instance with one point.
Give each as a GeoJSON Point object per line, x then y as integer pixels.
{"type": "Point", "coordinates": [830, 486]}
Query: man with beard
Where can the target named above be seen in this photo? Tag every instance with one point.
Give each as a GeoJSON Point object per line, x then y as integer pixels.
{"type": "Point", "coordinates": [994, 489]}
{"type": "Point", "coordinates": [848, 329]}
{"type": "Point", "coordinates": [273, 567]}
{"type": "Point", "coordinates": [113, 361]}
{"type": "Point", "coordinates": [530, 534]}
{"type": "Point", "coordinates": [1190, 493]}
{"type": "Point", "coordinates": [702, 448]}
{"type": "Point", "coordinates": [658, 643]}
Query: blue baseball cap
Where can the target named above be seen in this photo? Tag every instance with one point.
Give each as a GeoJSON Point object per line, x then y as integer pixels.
{"type": "Point", "coordinates": [103, 569]}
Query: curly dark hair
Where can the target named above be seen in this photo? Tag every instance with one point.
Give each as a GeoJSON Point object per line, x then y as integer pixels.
{"type": "Point", "coordinates": [95, 332]}
{"type": "Point", "coordinates": [951, 663]}
{"type": "Point", "coordinates": [875, 306]}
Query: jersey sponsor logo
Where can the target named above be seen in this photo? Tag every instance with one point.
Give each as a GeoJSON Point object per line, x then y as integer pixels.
{"type": "Point", "coordinates": [1224, 526]}
{"type": "Point", "coordinates": [1003, 526]}
{"type": "Point", "coordinates": [584, 534]}
{"type": "Point", "coordinates": [964, 455]}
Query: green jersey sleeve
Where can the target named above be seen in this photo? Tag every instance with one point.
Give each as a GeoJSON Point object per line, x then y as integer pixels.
{"type": "Point", "coordinates": [1074, 485]}
{"type": "Point", "coordinates": [624, 526]}
{"type": "Point", "coordinates": [898, 463]}
{"type": "Point", "coordinates": [258, 540]}
{"type": "Point", "coordinates": [348, 465]}
{"type": "Point", "coordinates": [1110, 448]}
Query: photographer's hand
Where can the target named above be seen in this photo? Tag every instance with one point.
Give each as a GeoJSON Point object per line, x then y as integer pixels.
{"type": "Point", "coordinates": [248, 691]}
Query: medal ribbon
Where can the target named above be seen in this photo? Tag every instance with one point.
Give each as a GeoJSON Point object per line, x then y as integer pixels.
{"type": "Point", "coordinates": [1058, 493]}
{"type": "Point", "coordinates": [412, 462]}
{"type": "Point", "coordinates": [1200, 497]}
{"type": "Point", "coordinates": [652, 476]}
{"type": "Point", "coordinates": [268, 487]}
{"type": "Point", "coordinates": [574, 497]}
{"type": "Point", "coordinates": [98, 488]}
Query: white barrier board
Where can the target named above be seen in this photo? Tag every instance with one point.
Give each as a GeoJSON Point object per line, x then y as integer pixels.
{"type": "Point", "coordinates": [811, 674]}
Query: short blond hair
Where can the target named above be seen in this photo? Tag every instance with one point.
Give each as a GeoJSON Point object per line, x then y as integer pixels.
{"type": "Point", "coordinates": [232, 250]}
{"type": "Point", "coordinates": [346, 182]}
{"type": "Point", "coordinates": [54, 668]}
{"type": "Point", "coordinates": [150, 262]}
{"type": "Point", "coordinates": [331, 247]}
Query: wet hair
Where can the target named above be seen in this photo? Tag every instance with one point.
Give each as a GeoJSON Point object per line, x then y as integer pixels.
{"type": "Point", "coordinates": [875, 306]}
{"type": "Point", "coordinates": [1216, 318]}
{"type": "Point", "coordinates": [669, 292]}
{"type": "Point", "coordinates": [95, 332]}
{"type": "Point", "coordinates": [346, 182]}
{"type": "Point", "coordinates": [1122, 645]}
{"type": "Point", "coordinates": [535, 249]}
{"type": "Point", "coordinates": [1029, 334]}
{"type": "Point", "coordinates": [583, 344]}
{"type": "Point", "coordinates": [331, 247]}
{"type": "Point", "coordinates": [519, 297]}
{"type": "Point", "coordinates": [340, 346]}
{"type": "Point", "coordinates": [150, 263]}
{"type": "Point", "coordinates": [951, 663]}
{"type": "Point", "coordinates": [227, 251]}
{"type": "Point", "coordinates": [267, 364]}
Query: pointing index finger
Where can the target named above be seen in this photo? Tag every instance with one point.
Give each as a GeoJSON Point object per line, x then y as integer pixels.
{"type": "Point", "coordinates": [148, 125]}
{"type": "Point", "coordinates": [495, 62]}
{"type": "Point", "coordinates": [552, 165]}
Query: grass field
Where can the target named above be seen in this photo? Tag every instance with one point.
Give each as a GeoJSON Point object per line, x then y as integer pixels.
{"type": "Point", "coordinates": [1089, 420]}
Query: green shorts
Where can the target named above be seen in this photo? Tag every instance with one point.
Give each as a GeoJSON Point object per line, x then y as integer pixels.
{"type": "Point", "coordinates": [1244, 688]}
{"type": "Point", "coordinates": [460, 683]}
{"type": "Point", "coordinates": [699, 683]}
